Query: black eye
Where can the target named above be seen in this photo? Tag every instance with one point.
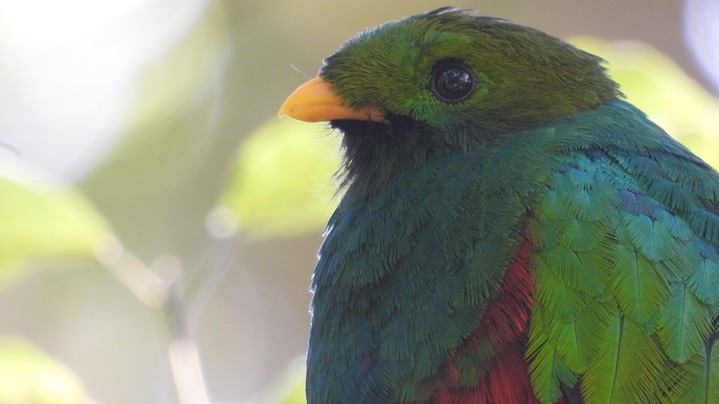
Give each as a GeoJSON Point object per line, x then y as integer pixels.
{"type": "Point", "coordinates": [452, 81]}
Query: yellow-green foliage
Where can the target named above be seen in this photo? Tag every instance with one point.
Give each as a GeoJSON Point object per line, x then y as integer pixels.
{"type": "Point", "coordinates": [42, 219]}
{"type": "Point", "coordinates": [282, 185]}
{"type": "Point", "coordinates": [29, 376]}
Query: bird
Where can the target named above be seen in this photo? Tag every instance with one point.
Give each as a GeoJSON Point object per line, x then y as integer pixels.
{"type": "Point", "coordinates": [509, 228]}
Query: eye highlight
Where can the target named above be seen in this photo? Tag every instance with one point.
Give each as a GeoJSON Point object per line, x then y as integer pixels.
{"type": "Point", "coordinates": [452, 81]}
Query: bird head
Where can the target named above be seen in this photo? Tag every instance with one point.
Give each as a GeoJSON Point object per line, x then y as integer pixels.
{"type": "Point", "coordinates": [447, 80]}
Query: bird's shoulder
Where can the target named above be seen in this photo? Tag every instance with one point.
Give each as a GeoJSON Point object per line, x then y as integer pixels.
{"type": "Point", "coordinates": [627, 275]}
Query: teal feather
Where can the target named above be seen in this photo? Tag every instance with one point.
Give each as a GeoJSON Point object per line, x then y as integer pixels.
{"type": "Point", "coordinates": [638, 241]}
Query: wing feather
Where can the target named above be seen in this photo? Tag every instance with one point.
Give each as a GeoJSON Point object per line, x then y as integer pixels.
{"type": "Point", "coordinates": [627, 268]}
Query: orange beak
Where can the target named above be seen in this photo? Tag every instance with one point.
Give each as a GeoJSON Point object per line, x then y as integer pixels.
{"type": "Point", "coordinates": [315, 101]}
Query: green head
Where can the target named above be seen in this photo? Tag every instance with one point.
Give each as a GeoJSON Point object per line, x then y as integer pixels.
{"type": "Point", "coordinates": [453, 70]}
{"type": "Point", "coordinates": [442, 82]}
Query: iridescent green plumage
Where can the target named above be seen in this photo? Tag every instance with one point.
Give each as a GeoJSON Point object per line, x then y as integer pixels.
{"type": "Point", "coordinates": [627, 226]}
{"type": "Point", "coordinates": [536, 239]}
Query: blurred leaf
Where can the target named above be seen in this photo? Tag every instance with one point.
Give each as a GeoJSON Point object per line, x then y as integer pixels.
{"type": "Point", "coordinates": [296, 394]}
{"type": "Point", "coordinates": [29, 376]}
{"type": "Point", "coordinates": [42, 219]}
{"type": "Point", "coordinates": [659, 87]}
{"type": "Point", "coordinates": [282, 183]}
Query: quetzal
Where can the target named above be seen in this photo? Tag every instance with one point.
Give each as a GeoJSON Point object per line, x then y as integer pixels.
{"type": "Point", "coordinates": [511, 230]}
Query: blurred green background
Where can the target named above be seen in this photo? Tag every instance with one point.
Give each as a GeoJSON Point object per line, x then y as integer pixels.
{"type": "Point", "coordinates": [158, 226]}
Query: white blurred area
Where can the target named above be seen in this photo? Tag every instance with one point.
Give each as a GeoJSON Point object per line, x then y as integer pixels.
{"type": "Point", "coordinates": [68, 73]}
{"type": "Point", "coordinates": [701, 28]}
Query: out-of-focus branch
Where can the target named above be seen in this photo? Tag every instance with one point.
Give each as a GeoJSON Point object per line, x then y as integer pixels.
{"type": "Point", "coordinates": [160, 286]}
{"type": "Point", "coordinates": [132, 273]}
